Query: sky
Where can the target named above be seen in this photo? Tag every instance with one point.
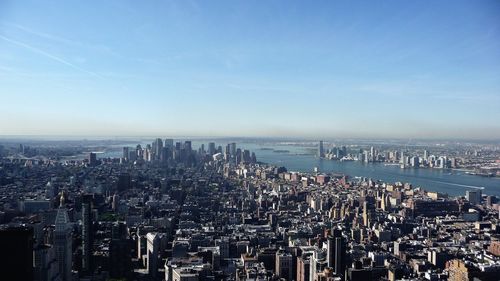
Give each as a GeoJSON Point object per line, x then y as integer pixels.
{"type": "Point", "coordinates": [312, 69]}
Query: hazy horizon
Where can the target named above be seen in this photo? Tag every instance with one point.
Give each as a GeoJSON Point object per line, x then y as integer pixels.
{"type": "Point", "coordinates": [343, 69]}
{"type": "Point", "coordinates": [234, 138]}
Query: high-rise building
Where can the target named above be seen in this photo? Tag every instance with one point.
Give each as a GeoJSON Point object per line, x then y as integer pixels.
{"type": "Point", "coordinates": [284, 266]}
{"type": "Point", "coordinates": [123, 182]}
{"type": "Point", "coordinates": [120, 259]}
{"type": "Point", "coordinates": [211, 148]}
{"type": "Point", "coordinates": [87, 236]}
{"type": "Point", "coordinates": [332, 251]}
{"type": "Point", "coordinates": [304, 267]}
{"type": "Point", "coordinates": [232, 148]}
{"type": "Point", "coordinates": [132, 156]}
{"type": "Point", "coordinates": [473, 196]}
{"type": "Point", "coordinates": [45, 263]}
{"type": "Point", "coordinates": [166, 153]}
{"type": "Point", "coordinates": [152, 250]}
{"type": "Point", "coordinates": [169, 143]}
{"type": "Point", "coordinates": [358, 273]}
{"type": "Point", "coordinates": [63, 242]}
{"type": "Point", "coordinates": [321, 152]}
{"type": "Point", "coordinates": [340, 256]}
{"type": "Point", "coordinates": [158, 146]}
{"type": "Point", "coordinates": [188, 147]}
{"type": "Point", "coordinates": [330, 254]}
{"type": "Point", "coordinates": [139, 152]}
{"type": "Point", "coordinates": [125, 152]}
{"type": "Point", "coordinates": [92, 159]}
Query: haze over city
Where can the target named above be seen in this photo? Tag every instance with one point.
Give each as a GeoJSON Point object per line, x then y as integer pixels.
{"type": "Point", "coordinates": [363, 69]}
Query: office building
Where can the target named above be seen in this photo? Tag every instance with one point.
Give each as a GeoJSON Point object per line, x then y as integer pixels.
{"type": "Point", "coordinates": [63, 242]}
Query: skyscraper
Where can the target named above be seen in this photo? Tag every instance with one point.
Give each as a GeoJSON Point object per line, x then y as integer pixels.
{"type": "Point", "coordinates": [169, 143]}
{"type": "Point", "coordinates": [92, 159]}
{"type": "Point", "coordinates": [211, 148]}
{"type": "Point", "coordinates": [232, 149]}
{"type": "Point", "coordinates": [321, 152]}
{"type": "Point", "coordinates": [87, 233]}
{"type": "Point", "coordinates": [152, 250]}
{"type": "Point", "coordinates": [125, 152]}
{"type": "Point", "coordinates": [473, 196]}
{"type": "Point", "coordinates": [158, 146]}
{"type": "Point", "coordinates": [340, 256]}
{"type": "Point", "coordinates": [331, 254]}
{"type": "Point", "coordinates": [120, 259]}
{"type": "Point", "coordinates": [63, 242]}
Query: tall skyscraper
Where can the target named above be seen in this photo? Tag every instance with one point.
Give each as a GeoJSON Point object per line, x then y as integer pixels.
{"type": "Point", "coordinates": [152, 250]}
{"type": "Point", "coordinates": [124, 182]}
{"type": "Point", "coordinates": [92, 159]}
{"type": "Point", "coordinates": [125, 152]}
{"type": "Point", "coordinates": [169, 143]}
{"type": "Point", "coordinates": [232, 149]}
{"type": "Point", "coordinates": [332, 247]}
{"type": "Point", "coordinates": [211, 148]}
{"type": "Point", "coordinates": [158, 146]}
{"type": "Point", "coordinates": [120, 259]}
{"type": "Point", "coordinates": [63, 242]}
{"type": "Point", "coordinates": [340, 256]}
{"type": "Point", "coordinates": [87, 233]}
{"type": "Point", "coordinates": [330, 254]}
{"type": "Point", "coordinates": [321, 152]}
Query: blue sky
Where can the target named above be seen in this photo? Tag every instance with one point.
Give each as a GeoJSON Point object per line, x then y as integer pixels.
{"type": "Point", "coordinates": [319, 69]}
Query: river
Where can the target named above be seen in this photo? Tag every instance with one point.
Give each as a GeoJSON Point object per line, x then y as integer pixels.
{"type": "Point", "coordinates": [301, 159]}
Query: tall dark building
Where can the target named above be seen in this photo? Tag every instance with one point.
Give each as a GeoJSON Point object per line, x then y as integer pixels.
{"type": "Point", "coordinates": [87, 233]}
{"type": "Point", "coordinates": [120, 258]}
{"type": "Point", "coordinates": [336, 252]}
{"type": "Point", "coordinates": [187, 146]}
{"type": "Point", "coordinates": [340, 256]}
{"type": "Point", "coordinates": [16, 259]}
{"type": "Point", "coordinates": [358, 273]}
{"type": "Point", "coordinates": [331, 250]}
{"type": "Point", "coordinates": [123, 182]}
{"type": "Point", "coordinates": [92, 159]}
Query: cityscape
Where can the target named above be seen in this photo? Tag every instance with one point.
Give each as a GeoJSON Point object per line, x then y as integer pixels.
{"type": "Point", "coordinates": [232, 140]}
{"type": "Point", "coordinates": [167, 210]}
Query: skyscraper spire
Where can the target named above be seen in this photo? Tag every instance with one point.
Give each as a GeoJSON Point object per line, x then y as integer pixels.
{"type": "Point", "coordinates": [62, 200]}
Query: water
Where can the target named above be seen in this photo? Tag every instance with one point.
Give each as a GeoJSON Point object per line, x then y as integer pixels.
{"type": "Point", "coordinates": [301, 158]}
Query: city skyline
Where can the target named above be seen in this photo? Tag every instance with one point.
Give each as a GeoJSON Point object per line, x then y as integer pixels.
{"type": "Point", "coordinates": [284, 69]}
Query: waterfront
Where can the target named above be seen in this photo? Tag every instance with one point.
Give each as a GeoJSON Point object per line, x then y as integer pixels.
{"type": "Point", "coordinates": [300, 158]}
